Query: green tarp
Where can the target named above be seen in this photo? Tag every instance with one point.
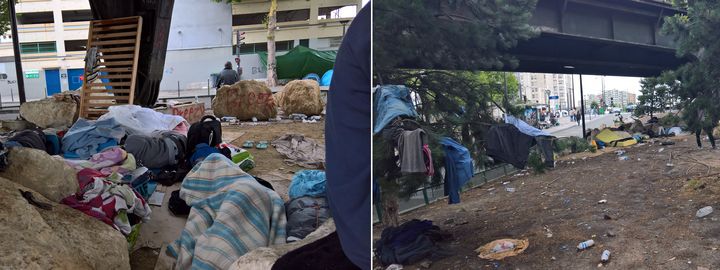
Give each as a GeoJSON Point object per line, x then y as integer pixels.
{"type": "Point", "coordinates": [301, 61]}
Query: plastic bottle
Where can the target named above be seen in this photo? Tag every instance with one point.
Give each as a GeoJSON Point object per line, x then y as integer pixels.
{"type": "Point", "coordinates": [605, 256]}
{"type": "Point", "coordinates": [586, 244]}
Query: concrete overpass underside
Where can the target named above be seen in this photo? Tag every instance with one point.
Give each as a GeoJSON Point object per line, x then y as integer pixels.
{"type": "Point", "coordinates": [599, 37]}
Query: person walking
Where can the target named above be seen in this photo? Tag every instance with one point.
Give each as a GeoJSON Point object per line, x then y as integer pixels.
{"type": "Point", "coordinates": [227, 76]}
{"type": "Point", "coordinates": [578, 116]}
{"type": "Point", "coordinates": [699, 119]}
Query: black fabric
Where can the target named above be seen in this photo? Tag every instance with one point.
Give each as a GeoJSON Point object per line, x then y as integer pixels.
{"type": "Point", "coordinates": [170, 175]}
{"type": "Point", "coordinates": [305, 215]}
{"type": "Point", "coordinates": [411, 242]}
{"type": "Point", "coordinates": [506, 143]}
{"type": "Point", "coordinates": [177, 205]}
{"type": "Point", "coordinates": [263, 182]}
{"type": "Point", "coordinates": [323, 254]}
{"type": "Point", "coordinates": [30, 138]}
{"type": "Point", "coordinates": [209, 132]}
{"type": "Point", "coordinates": [709, 132]}
{"type": "Point", "coordinates": [545, 143]}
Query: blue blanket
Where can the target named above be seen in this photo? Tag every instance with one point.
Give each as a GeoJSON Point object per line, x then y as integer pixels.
{"type": "Point", "coordinates": [231, 215]}
{"type": "Point", "coordinates": [392, 101]}
{"type": "Point", "coordinates": [458, 168]}
{"type": "Point", "coordinates": [307, 183]}
{"type": "Point", "coordinates": [525, 128]}
{"type": "Point", "coordinates": [86, 136]}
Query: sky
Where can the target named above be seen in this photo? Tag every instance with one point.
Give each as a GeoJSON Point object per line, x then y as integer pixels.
{"type": "Point", "coordinates": [593, 84]}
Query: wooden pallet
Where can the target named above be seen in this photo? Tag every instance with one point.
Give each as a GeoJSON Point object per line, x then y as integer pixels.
{"type": "Point", "coordinates": [118, 40]}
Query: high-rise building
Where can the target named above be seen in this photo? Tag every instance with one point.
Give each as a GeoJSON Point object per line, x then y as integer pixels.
{"type": "Point", "coordinates": [550, 89]}
{"type": "Point", "coordinates": [618, 98]}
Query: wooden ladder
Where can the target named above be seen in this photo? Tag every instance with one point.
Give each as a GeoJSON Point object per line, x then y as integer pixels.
{"type": "Point", "coordinates": [118, 46]}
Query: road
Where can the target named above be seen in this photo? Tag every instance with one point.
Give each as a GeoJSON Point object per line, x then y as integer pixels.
{"type": "Point", "coordinates": [570, 129]}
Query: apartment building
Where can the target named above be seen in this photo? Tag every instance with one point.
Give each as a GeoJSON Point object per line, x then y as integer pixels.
{"type": "Point", "coordinates": [550, 89]}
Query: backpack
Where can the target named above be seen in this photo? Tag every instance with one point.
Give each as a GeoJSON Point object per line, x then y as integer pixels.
{"type": "Point", "coordinates": [203, 131]}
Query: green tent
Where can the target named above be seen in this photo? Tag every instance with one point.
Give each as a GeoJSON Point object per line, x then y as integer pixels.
{"type": "Point", "coordinates": [301, 61]}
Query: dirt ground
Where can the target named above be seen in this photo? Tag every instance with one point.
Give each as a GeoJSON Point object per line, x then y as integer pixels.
{"type": "Point", "coordinates": [269, 165]}
{"type": "Point", "coordinates": [648, 221]}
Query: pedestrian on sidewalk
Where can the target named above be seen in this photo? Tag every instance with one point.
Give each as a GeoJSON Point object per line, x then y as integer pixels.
{"type": "Point", "coordinates": [572, 115]}
{"type": "Point", "coordinates": [578, 116]}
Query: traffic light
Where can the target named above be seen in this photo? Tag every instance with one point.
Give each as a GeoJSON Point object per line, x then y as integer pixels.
{"type": "Point", "coordinates": [240, 37]}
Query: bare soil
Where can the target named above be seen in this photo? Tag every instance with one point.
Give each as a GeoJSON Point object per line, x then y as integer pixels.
{"type": "Point", "coordinates": [650, 210]}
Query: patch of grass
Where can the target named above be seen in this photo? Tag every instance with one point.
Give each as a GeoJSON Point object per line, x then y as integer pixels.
{"type": "Point", "coordinates": [694, 184]}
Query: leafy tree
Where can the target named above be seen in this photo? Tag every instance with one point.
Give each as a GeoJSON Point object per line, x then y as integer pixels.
{"type": "Point", "coordinates": [4, 17]}
{"type": "Point", "coordinates": [698, 40]}
{"type": "Point", "coordinates": [435, 47]}
{"type": "Point", "coordinates": [594, 105]}
{"type": "Point", "coordinates": [658, 93]}
{"type": "Point", "coordinates": [271, 26]}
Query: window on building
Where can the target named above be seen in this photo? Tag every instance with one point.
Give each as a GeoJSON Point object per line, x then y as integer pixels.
{"type": "Point", "coordinates": [76, 45]}
{"type": "Point", "coordinates": [76, 15]}
{"type": "Point", "coordinates": [38, 47]}
{"type": "Point", "coordinates": [305, 42]}
{"type": "Point", "coordinates": [250, 48]}
{"type": "Point", "coordinates": [282, 16]}
{"type": "Point", "coordinates": [35, 17]}
{"type": "Point", "coordinates": [337, 12]}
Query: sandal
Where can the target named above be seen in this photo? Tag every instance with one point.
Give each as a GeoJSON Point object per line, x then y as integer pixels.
{"type": "Point", "coordinates": [262, 145]}
{"type": "Point", "coordinates": [248, 144]}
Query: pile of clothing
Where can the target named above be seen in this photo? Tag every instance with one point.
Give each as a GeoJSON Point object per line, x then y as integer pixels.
{"type": "Point", "coordinates": [308, 206]}
{"type": "Point", "coordinates": [411, 242]}
{"type": "Point", "coordinates": [394, 118]}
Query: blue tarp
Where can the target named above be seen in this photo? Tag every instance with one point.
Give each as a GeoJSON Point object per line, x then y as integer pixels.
{"type": "Point", "coordinates": [307, 183]}
{"type": "Point", "coordinates": [525, 128]}
{"type": "Point", "coordinates": [458, 168]}
{"type": "Point", "coordinates": [392, 101]}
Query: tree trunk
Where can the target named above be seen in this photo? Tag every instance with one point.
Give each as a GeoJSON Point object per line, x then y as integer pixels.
{"type": "Point", "coordinates": [271, 64]}
{"type": "Point", "coordinates": [390, 209]}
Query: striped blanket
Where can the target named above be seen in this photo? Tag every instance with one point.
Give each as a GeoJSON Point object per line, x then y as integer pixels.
{"type": "Point", "coordinates": [231, 215]}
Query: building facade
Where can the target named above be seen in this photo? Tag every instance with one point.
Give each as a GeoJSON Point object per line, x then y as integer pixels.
{"type": "Point", "coordinates": [202, 37]}
{"type": "Point", "coordinates": [554, 90]}
{"type": "Point", "coordinates": [52, 36]}
{"type": "Point", "coordinates": [618, 98]}
{"type": "Point", "coordinates": [317, 24]}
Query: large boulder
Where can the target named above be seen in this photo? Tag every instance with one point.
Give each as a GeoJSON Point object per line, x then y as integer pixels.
{"type": "Point", "coordinates": [302, 96]}
{"type": "Point", "coordinates": [245, 100]}
{"type": "Point", "coordinates": [59, 112]}
{"type": "Point", "coordinates": [59, 238]}
{"type": "Point", "coordinates": [37, 170]}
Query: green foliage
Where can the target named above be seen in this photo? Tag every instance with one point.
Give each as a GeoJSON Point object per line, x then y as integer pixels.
{"type": "Point", "coordinates": [435, 48]}
{"type": "Point", "coordinates": [658, 93]}
{"type": "Point", "coordinates": [571, 145]}
{"type": "Point", "coordinates": [698, 41]}
{"type": "Point", "coordinates": [449, 34]}
{"type": "Point", "coordinates": [670, 120]}
{"type": "Point", "coordinates": [5, 17]}
{"type": "Point", "coordinates": [535, 162]}
{"type": "Point", "coordinates": [594, 105]}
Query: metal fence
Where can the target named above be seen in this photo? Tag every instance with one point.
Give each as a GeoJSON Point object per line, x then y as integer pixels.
{"type": "Point", "coordinates": [429, 194]}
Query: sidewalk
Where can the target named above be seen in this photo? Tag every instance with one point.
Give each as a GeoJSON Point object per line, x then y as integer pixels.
{"type": "Point", "coordinates": [565, 123]}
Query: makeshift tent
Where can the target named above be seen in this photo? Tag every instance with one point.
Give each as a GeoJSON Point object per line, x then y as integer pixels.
{"type": "Point", "coordinates": [301, 61]}
{"type": "Point", "coordinates": [525, 127]}
{"type": "Point", "coordinates": [615, 138]}
{"type": "Point", "coordinates": [507, 144]}
{"type": "Point", "coordinates": [392, 101]}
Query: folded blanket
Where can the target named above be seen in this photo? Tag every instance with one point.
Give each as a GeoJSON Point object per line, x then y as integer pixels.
{"type": "Point", "coordinates": [231, 214]}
